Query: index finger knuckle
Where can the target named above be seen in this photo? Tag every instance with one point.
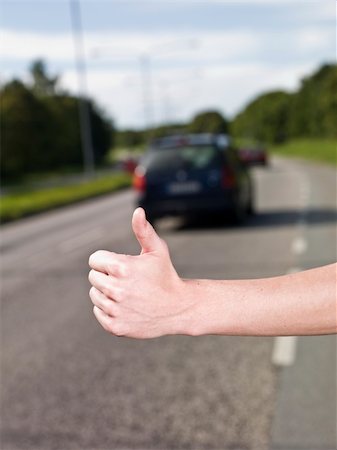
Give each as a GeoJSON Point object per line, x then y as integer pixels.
{"type": "Point", "coordinates": [94, 257]}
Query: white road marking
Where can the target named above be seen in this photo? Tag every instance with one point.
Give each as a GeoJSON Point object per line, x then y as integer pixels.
{"type": "Point", "coordinates": [305, 192]}
{"type": "Point", "coordinates": [80, 240]}
{"type": "Point", "coordinates": [284, 351]}
{"type": "Point", "coordinates": [299, 245]}
{"type": "Point", "coordinates": [294, 270]}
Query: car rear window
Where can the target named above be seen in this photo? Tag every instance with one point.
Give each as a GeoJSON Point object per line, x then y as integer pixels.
{"type": "Point", "coordinates": [188, 158]}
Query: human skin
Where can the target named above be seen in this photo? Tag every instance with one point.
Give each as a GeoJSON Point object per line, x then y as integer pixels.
{"type": "Point", "coordinates": [143, 297]}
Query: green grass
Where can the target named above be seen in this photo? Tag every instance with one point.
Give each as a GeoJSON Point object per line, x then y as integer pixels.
{"type": "Point", "coordinates": [322, 150]}
{"type": "Point", "coordinates": [17, 205]}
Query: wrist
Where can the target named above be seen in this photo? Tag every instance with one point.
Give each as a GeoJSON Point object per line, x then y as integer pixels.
{"type": "Point", "coordinates": [189, 301]}
{"type": "Point", "coordinates": [212, 307]}
{"type": "Point", "coordinates": [180, 318]}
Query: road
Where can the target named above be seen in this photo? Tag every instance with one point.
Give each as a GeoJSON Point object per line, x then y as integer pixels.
{"type": "Point", "coordinates": [67, 385]}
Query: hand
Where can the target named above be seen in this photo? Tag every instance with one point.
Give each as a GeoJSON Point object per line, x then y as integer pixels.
{"type": "Point", "coordinates": [138, 296]}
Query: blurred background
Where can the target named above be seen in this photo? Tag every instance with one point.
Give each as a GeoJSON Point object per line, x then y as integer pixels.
{"type": "Point", "coordinates": [89, 92]}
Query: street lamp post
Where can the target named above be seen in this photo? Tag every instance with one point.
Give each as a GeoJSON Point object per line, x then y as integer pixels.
{"type": "Point", "coordinates": [146, 80]}
{"type": "Point", "coordinates": [83, 105]}
{"type": "Point", "coordinates": [145, 60]}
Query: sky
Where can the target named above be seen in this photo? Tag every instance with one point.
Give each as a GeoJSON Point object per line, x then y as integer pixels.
{"type": "Point", "coordinates": [149, 62]}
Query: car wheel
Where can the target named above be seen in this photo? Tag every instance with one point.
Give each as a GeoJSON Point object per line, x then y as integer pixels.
{"type": "Point", "coordinates": [250, 206]}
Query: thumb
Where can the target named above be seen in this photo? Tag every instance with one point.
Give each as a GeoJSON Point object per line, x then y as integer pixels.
{"type": "Point", "coordinates": [145, 233]}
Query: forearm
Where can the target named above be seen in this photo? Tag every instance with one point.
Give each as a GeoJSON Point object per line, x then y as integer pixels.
{"type": "Point", "coordinates": [295, 304]}
{"type": "Point", "coordinates": [143, 297]}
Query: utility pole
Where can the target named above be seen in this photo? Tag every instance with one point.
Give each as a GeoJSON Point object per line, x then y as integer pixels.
{"type": "Point", "coordinates": [145, 60]}
{"type": "Point", "coordinates": [147, 87]}
{"type": "Point", "coordinates": [83, 105]}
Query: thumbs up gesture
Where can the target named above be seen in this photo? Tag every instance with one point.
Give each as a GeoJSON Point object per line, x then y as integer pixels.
{"type": "Point", "coordinates": [139, 296]}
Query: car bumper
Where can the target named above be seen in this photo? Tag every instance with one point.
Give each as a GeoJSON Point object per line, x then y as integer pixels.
{"type": "Point", "coordinates": [172, 207]}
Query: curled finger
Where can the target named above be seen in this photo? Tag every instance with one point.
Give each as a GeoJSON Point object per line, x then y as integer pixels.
{"type": "Point", "coordinates": [110, 324]}
{"type": "Point", "coordinates": [107, 262]}
{"type": "Point", "coordinates": [104, 283]}
{"type": "Point", "coordinates": [102, 302]}
{"type": "Point", "coordinates": [103, 319]}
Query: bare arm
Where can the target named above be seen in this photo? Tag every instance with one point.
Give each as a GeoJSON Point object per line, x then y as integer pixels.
{"type": "Point", "coordinates": [142, 297]}
{"type": "Point", "coordinates": [297, 304]}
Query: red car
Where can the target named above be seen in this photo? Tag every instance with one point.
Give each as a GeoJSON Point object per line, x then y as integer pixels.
{"type": "Point", "coordinates": [129, 165]}
{"type": "Point", "coordinates": [253, 156]}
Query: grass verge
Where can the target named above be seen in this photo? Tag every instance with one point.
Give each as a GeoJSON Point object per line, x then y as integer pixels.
{"type": "Point", "coordinates": [322, 150]}
{"type": "Point", "coordinates": [17, 205]}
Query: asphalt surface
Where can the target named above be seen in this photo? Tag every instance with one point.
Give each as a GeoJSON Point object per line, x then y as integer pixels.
{"type": "Point", "coordinates": [66, 384]}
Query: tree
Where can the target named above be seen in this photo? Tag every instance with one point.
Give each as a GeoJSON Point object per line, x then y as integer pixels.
{"type": "Point", "coordinates": [25, 133]}
{"type": "Point", "coordinates": [65, 129]}
{"type": "Point", "coordinates": [103, 132]}
{"type": "Point", "coordinates": [42, 133]}
{"type": "Point", "coordinates": [42, 84]}
{"type": "Point", "coordinates": [129, 138]}
{"type": "Point", "coordinates": [328, 103]}
{"type": "Point", "coordinates": [314, 107]}
{"type": "Point", "coordinates": [208, 122]}
{"type": "Point", "coordinates": [168, 129]}
{"type": "Point", "coordinates": [276, 116]}
{"type": "Point", "coordinates": [265, 119]}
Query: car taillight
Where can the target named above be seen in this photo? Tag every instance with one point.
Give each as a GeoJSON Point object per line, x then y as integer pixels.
{"type": "Point", "coordinates": [228, 178]}
{"type": "Point", "coordinates": [139, 182]}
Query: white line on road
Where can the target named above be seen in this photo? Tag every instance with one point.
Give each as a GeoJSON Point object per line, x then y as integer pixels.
{"type": "Point", "coordinates": [294, 270]}
{"type": "Point", "coordinates": [299, 245]}
{"type": "Point", "coordinates": [305, 193]}
{"type": "Point", "coordinates": [284, 351]}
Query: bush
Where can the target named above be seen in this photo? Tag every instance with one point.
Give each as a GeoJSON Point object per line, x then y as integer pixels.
{"type": "Point", "coordinates": [323, 150]}
{"type": "Point", "coordinates": [15, 206]}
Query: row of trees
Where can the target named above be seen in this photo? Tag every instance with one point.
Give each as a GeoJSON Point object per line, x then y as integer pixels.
{"type": "Point", "coordinates": [204, 122]}
{"type": "Point", "coordinates": [277, 116]}
{"type": "Point", "coordinates": [272, 117]}
{"type": "Point", "coordinates": [40, 128]}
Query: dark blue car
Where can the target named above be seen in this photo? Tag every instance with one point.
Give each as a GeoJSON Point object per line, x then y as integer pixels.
{"type": "Point", "coordinates": [193, 174]}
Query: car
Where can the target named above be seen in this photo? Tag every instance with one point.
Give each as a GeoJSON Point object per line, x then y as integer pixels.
{"type": "Point", "coordinates": [253, 156]}
{"type": "Point", "coordinates": [129, 164]}
{"type": "Point", "coordinates": [193, 174]}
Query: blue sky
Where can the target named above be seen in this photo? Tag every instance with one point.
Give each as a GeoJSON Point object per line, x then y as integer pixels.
{"type": "Point", "coordinates": [51, 16]}
{"type": "Point", "coordinates": [210, 54]}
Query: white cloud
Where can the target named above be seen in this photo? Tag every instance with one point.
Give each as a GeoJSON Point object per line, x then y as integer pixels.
{"type": "Point", "coordinates": [28, 45]}
{"type": "Point", "coordinates": [109, 46]}
{"type": "Point", "coordinates": [313, 38]}
{"type": "Point", "coordinates": [235, 66]}
{"type": "Point", "coordinates": [251, 2]}
{"type": "Point", "coordinates": [226, 87]}
{"type": "Point", "coordinates": [317, 10]}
